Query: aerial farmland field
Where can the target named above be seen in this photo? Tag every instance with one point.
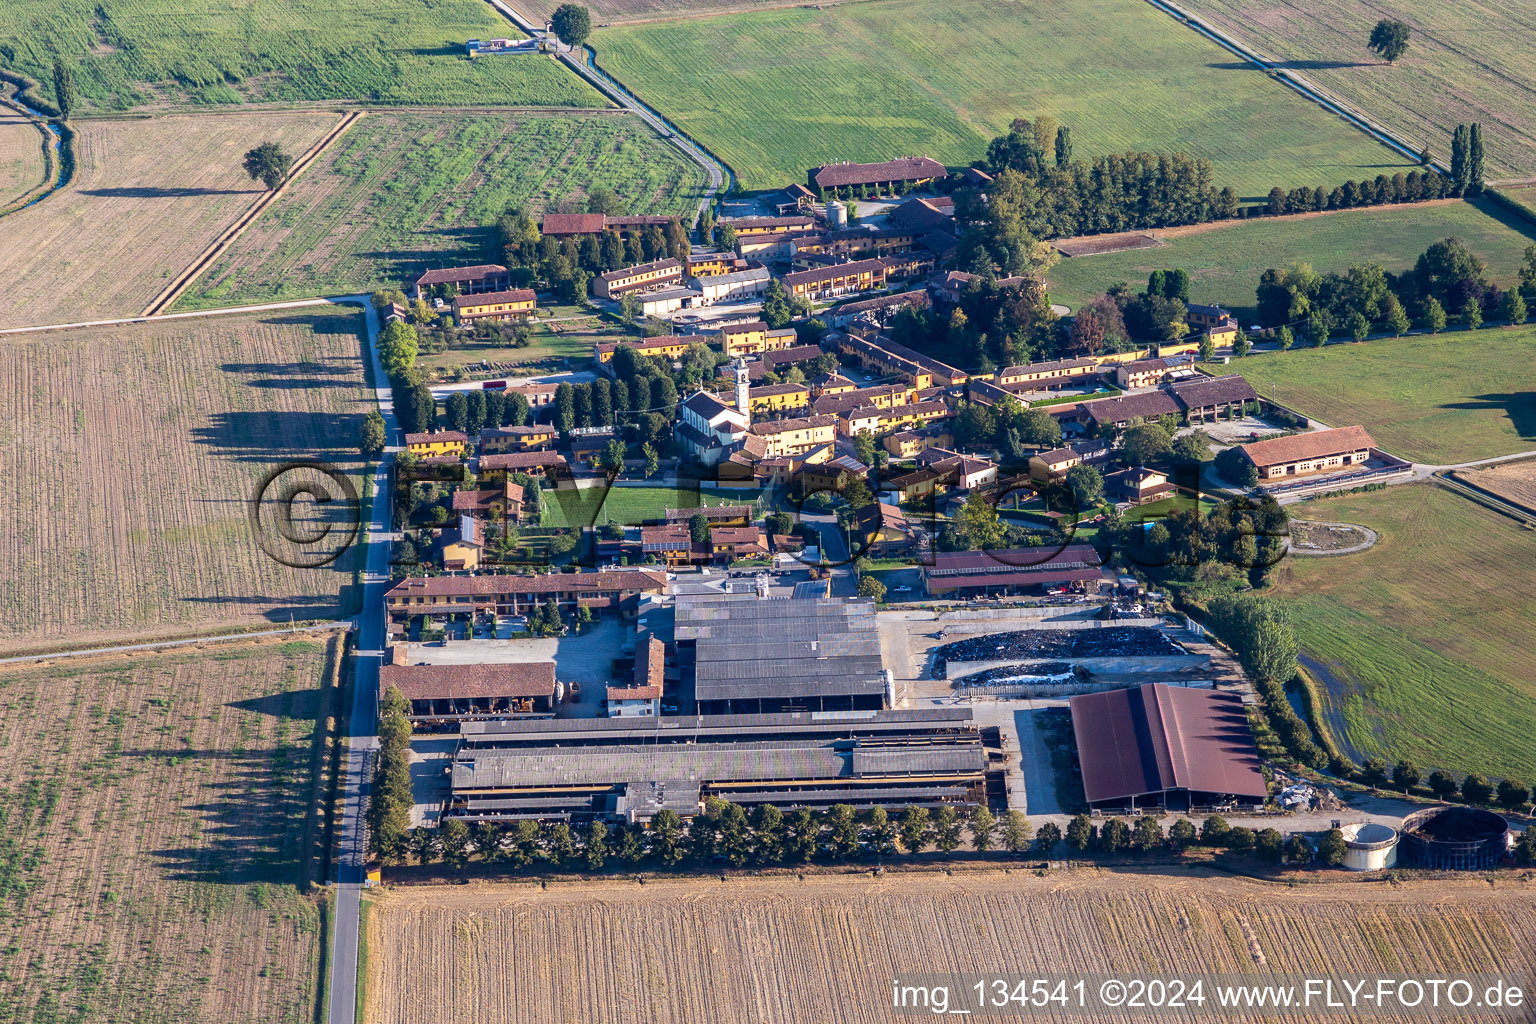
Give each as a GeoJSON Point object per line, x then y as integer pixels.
{"type": "Point", "coordinates": [160, 835]}
{"type": "Point", "coordinates": [1439, 399]}
{"type": "Point", "coordinates": [147, 53]}
{"type": "Point", "coordinates": [132, 453]}
{"type": "Point", "coordinates": [1468, 60]}
{"type": "Point", "coordinates": [1225, 259]}
{"type": "Point", "coordinates": [771, 950]}
{"type": "Point", "coordinates": [403, 191]}
{"type": "Point", "coordinates": [148, 196]}
{"type": "Point", "coordinates": [1424, 640]}
{"type": "Point", "coordinates": [22, 165]}
{"type": "Point", "coordinates": [775, 92]}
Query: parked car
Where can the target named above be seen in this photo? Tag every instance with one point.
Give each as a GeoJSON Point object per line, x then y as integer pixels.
{"type": "Point", "coordinates": [669, 709]}
{"type": "Point", "coordinates": [903, 590]}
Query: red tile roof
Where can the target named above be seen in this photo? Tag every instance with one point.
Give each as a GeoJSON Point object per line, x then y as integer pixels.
{"type": "Point", "coordinates": [573, 223]}
{"type": "Point", "coordinates": [907, 168]}
{"type": "Point", "coordinates": [1312, 445]}
{"type": "Point", "coordinates": [453, 682]}
{"type": "Point", "coordinates": [454, 275]}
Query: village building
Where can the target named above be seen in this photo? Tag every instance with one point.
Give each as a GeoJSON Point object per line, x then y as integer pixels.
{"type": "Point", "coordinates": [776, 399]}
{"type": "Point", "coordinates": [794, 436]}
{"type": "Point", "coordinates": [666, 301]}
{"type": "Point", "coordinates": [734, 286]}
{"type": "Point", "coordinates": [832, 476]}
{"type": "Point", "coordinates": [1013, 571]}
{"type": "Point", "coordinates": [495, 468]}
{"type": "Point", "coordinates": [494, 440]}
{"type": "Point", "coordinates": [907, 171]}
{"type": "Point", "coordinates": [641, 696]}
{"type": "Point", "coordinates": [830, 282]}
{"type": "Point", "coordinates": [448, 694]}
{"type": "Point", "coordinates": [712, 264]}
{"type": "Point", "coordinates": [668, 346]}
{"type": "Point", "coordinates": [517, 594]}
{"type": "Point", "coordinates": [707, 428]}
{"type": "Point", "coordinates": [831, 384]}
{"type": "Point", "coordinates": [1137, 485]}
{"type": "Point", "coordinates": [484, 277]}
{"type": "Point", "coordinates": [1316, 451]}
{"type": "Point", "coordinates": [876, 310]}
{"type": "Point", "coordinates": [504, 503]}
{"type": "Point", "coordinates": [905, 444]}
{"type": "Point", "coordinates": [437, 443]}
{"type": "Point", "coordinates": [881, 354]}
{"type": "Point", "coordinates": [1207, 398]}
{"type": "Point", "coordinates": [643, 277]}
{"type": "Point", "coordinates": [1045, 376]}
{"type": "Point", "coordinates": [794, 224]}
{"type": "Point", "coordinates": [755, 338]}
{"type": "Point", "coordinates": [578, 225]}
{"type": "Point", "coordinates": [536, 395]}
{"type": "Point", "coordinates": [1053, 466]}
{"type": "Point", "coordinates": [516, 304]}
{"type": "Point", "coordinates": [1144, 373]}
{"type": "Point", "coordinates": [923, 214]}
{"type": "Point", "coordinates": [463, 548]}
{"type": "Point", "coordinates": [1117, 413]}
{"type": "Point", "coordinates": [954, 284]}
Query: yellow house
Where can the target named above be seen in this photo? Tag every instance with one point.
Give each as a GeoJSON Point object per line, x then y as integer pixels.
{"type": "Point", "coordinates": [442, 442]}
{"type": "Point", "coordinates": [792, 437]}
{"type": "Point", "coordinates": [905, 444]}
{"type": "Point", "coordinates": [755, 338]}
{"type": "Point", "coordinates": [645, 276]}
{"type": "Point", "coordinates": [670, 346]}
{"type": "Point", "coordinates": [841, 279]}
{"type": "Point", "coordinates": [775, 398]}
{"type": "Point", "coordinates": [515, 439]}
{"type": "Point", "coordinates": [517, 304]}
{"type": "Point", "coordinates": [831, 384]}
{"type": "Point", "coordinates": [463, 551]}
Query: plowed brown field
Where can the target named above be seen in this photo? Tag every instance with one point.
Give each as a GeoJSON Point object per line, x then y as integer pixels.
{"type": "Point", "coordinates": [826, 949]}
{"type": "Point", "coordinates": [148, 196]}
{"type": "Point", "coordinates": [158, 828]}
{"type": "Point", "coordinates": [130, 455]}
{"type": "Point", "coordinates": [22, 166]}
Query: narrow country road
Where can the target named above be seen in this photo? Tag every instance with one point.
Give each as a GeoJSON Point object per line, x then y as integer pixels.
{"type": "Point", "coordinates": [351, 842]}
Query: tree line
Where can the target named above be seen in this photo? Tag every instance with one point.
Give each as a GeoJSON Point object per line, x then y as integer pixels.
{"type": "Point", "coordinates": [566, 266]}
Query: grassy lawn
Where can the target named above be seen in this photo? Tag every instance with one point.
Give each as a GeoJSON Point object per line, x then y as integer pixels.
{"type": "Point", "coordinates": [632, 506]}
{"type": "Point", "coordinates": [1430, 632]}
{"type": "Point", "coordinates": [776, 92]}
{"type": "Point", "coordinates": [1466, 62]}
{"type": "Point", "coordinates": [402, 192]}
{"type": "Point", "coordinates": [549, 345]}
{"type": "Point", "coordinates": [1224, 262]}
{"type": "Point", "coordinates": [149, 53]}
{"type": "Point", "coordinates": [1442, 399]}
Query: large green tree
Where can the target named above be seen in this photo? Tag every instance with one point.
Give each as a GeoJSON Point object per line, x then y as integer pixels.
{"type": "Point", "coordinates": [1390, 39]}
{"type": "Point", "coordinates": [572, 23]}
{"type": "Point", "coordinates": [268, 164]}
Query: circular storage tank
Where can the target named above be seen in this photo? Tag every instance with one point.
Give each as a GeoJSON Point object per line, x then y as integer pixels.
{"type": "Point", "coordinates": [1369, 846]}
{"type": "Point", "coordinates": [1453, 838]}
{"type": "Point", "coordinates": [837, 214]}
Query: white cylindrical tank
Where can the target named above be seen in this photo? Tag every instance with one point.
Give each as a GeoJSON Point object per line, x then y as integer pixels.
{"type": "Point", "coordinates": [837, 214]}
{"type": "Point", "coordinates": [1369, 846]}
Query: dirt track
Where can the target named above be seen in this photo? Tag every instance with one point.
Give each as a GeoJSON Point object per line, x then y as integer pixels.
{"type": "Point", "coordinates": [825, 949]}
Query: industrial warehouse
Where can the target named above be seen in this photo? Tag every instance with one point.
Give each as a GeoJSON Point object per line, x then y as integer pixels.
{"type": "Point", "coordinates": [629, 768]}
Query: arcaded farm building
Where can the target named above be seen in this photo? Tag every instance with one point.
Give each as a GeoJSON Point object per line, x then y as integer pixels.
{"type": "Point", "coordinates": [1316, 451]}
{"type": "Point", "coordinates": [617, 589]}
{"type": "Point", "coordinates": [461, 693]}
{"type": "Point", "coordinates": [1012, 571]}
{"type": "Point", "coordinates": [1166, 746]}
{"type": "Point", "coordinates": [749, 656]}
{"type": "Point", "coordinates": [644, 277]}
{"type": "Point", "coordinates": [486, 277]}
{"type": "Point", "coordinates": [577, 225]}
{"type": "Point", "coordinates": [838, 279]}
{"type": "Point", "coordinates": [907, 170]}
{"type": "Point", "coordinates": [629, 768]}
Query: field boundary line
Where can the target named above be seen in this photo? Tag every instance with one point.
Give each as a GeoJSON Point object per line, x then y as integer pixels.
{"type": "Point", "coordinates": [182, 281]}
{"type": "Point", "coordinates": [1302, 86]}
{"type": "Point", "coordinates": [191, 641]}
{"type": "Point", "coordinates": [1486, 498]}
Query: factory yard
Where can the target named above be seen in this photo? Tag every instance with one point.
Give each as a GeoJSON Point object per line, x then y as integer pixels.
{"type": "Point", "coordinates": [776, 949]}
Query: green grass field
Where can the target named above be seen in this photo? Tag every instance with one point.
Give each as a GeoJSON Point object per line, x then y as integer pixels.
{"type": "Point", "coordinates": [776, 92]}
{"type": "Point", "coordinates": [632, 506]}
{"type": "Point", "coordinates": [402, 191]}
{"type": "Point", "coordinates": [1469, 60]}
{"type": "Point", "coordinates": [1225, 261]}
{"type": "Point", "coordinates": [1441, 399]}
{"type": "Point", "coordinates": [138, 53]}
{"type": "Point", "coordinates": [1428, 634]}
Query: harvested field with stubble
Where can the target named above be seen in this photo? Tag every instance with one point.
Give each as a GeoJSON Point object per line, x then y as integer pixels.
{"type": "Point", "coordinates": [1514, 481]}
{"type": "Point", "coordinates": [147, 198]}
{"type": "Point", "coordinates": [160, 829]}
{"type": "Point", "coordinates": [1469, 60]}
{"type": "Point", "coordinates": [763, 951]}
{"type": "Point", "coordinates": [405, 191]}
{"type": "Point", "coordinates": [23, 167]}
{"type": "Point", "coordinates": [131, 454]}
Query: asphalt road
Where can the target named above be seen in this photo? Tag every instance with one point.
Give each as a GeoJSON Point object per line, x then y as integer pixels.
{"type": "Point", "coordinates": [361, 743]}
